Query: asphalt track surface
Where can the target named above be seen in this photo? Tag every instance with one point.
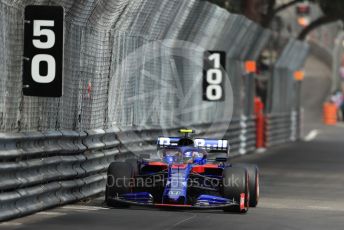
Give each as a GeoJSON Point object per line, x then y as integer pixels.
{"type": "Point", "coordinates": [301, 188]}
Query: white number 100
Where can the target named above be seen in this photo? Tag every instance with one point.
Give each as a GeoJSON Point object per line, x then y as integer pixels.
{"type": "Point", "coordinates": [214, 79]}
{"type": "Point", "coordinates": [39, 58]}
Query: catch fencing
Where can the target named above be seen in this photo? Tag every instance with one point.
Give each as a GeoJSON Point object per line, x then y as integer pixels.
{"type": "Point", "coordinates": [283, 120]}
{"type": "Point", "coordinates": [131, 63]}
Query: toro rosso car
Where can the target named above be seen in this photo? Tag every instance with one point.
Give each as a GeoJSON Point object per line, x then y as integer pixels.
{"type": "Point", "coordinates": [191, 173]}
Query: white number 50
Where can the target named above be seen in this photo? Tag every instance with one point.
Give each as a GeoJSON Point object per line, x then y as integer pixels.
{"type": "Point", "coordinates": [39, 58]}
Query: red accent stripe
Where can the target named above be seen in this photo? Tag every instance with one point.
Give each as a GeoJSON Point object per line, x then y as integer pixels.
{"type": "Point", "coordinates": [201, 168]}
{"type": "Point", "coordinates": [180, 166]}
{"type": "Point", "coordinates": [198, 169]}
{"type": "Point", "coordinates": [157, 163]}
{"type": "Point", "coordinates": [211, 166]}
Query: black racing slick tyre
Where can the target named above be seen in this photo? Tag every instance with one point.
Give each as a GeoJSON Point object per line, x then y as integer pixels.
{"type": "Point", "coordinates": [235, 186]}
{"type": "Point", "coordinates": [118, 182]}
{"type": "Point", "coordinates": [134, 165]}
{"type": "Point", "coordinates": [253, 175]}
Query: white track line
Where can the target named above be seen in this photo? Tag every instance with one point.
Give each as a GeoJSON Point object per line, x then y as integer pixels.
{"type": "Point", "coordinates": [51, 213]}
{"type": "Point", "coordinates": [10, 224]}
{"type": "Point", "coordinates": [181, 222]}
{"type": "Point", "coordinates": [86, 208]}
{"type": "Point", "coordinates": [312, 135]}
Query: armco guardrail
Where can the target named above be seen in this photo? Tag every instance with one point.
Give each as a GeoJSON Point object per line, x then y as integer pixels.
{"type": "Point", "coordinates": [41, 170]}
{"type": "Point", "coordinates": [282, 128]}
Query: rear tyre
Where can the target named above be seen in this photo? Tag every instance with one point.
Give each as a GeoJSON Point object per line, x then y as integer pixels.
{"type": "Point", "coordinates": [118, 182]}
{"type": "Point", "coordinates": [235, 186]}
{"type": "Point", "coordinates": [253, 175]}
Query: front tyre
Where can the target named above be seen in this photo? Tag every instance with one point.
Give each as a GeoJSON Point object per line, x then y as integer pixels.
{"type": "Point", "coordinates": [235, 186]}
{"type": "Point", "coordinates": [253, 175]}
{"type": "Point", "coordinates": [118, 182]}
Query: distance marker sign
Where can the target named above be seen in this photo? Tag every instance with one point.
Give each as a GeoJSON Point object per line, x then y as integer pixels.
{"type": "Point", "coordinates": [43, 51]}
{"type": "Point", "coordinates": [214, 73]}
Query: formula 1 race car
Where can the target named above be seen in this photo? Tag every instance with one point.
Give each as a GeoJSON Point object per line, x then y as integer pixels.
{"type": "Point", "coordinates": [189, 173]}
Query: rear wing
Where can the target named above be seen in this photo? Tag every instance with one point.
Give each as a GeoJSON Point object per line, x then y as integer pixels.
{"type": "Point", "coordinates": [209, 145]}
{"type": "Point", "coordinates": [168, 142]}
{"type": "Point", "coordinates": [212, 145]}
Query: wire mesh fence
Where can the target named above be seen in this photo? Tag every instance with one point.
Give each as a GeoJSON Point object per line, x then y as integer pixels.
{"type": "Point", "coordinates": [285, 90]}
{"type": "Point", "coordinates": [131, 63]}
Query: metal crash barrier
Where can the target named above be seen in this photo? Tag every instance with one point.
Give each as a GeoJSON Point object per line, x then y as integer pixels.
{"type": "Point", "coordinates": [41, 170]}
{"type": "Point", "coordinates": [282, 128]}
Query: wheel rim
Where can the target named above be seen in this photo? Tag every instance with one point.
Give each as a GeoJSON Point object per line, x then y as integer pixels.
{"type": "Point", "coordinates": [247, 193]}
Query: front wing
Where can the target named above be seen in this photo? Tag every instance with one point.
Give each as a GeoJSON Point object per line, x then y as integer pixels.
{"type": "Point", "coordinates": [204, 202]}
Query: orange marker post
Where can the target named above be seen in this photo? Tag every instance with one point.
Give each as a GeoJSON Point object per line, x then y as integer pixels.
{"type": "Point", "coordinates": [299, 75]}
{"type": "Point", "coordinates": [330, 113]}
{"type": "Point", "coordinates": [251, 66]}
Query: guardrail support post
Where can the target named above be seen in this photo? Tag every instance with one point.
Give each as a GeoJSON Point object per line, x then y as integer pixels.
{"type": "Point", "coordinates": [260, 123]}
